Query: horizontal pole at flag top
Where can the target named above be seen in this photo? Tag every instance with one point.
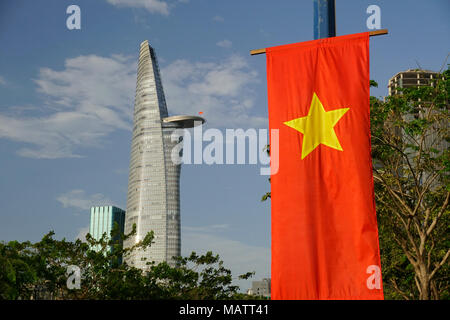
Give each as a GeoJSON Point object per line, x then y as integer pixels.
{"type": "Point", "coordinates": [371, 34]}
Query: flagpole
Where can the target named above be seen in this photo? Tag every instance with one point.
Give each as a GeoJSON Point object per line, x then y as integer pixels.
{"type": "Point", "coordinates": [324, 19]}
{"type": "Point", "coordinates": [371, 34]}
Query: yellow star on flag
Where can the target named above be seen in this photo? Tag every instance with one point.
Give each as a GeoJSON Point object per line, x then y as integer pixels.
{"type": "Point", "coordinates": [318, 127]}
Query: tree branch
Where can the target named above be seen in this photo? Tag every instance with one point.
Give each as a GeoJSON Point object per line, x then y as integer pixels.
{"type": "Point", "coordinates": [402, 293]}
{"type": "Point", "coordinates": [439, 265]}
{"type": "Point", "coordinates": [404, 156]}
{"type": "Point", "coordinates": [379, 177]}
{"type": "Point", "coordinates": [409, 256]}
{"type": "Point", "coordinates": [438, 216]}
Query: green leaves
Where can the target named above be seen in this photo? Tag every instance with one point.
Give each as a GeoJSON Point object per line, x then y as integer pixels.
{"type": "Point", "coordinates": [266, 196]}
{"type": "Point", "coordinates": [25, 266]}
{"type": "Point", "coordinates": [411, 172]}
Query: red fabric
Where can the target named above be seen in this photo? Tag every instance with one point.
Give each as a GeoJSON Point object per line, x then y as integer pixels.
{"type": "Point", "coordinates": [324, 227]}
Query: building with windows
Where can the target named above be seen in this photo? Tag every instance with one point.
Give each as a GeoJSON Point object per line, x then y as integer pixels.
{"type": "Point", "coordinates": [103, 219]}
{"type": "Point", "coordinates": [153, 199]}
{"type": "Point", "coordinates": [411, 78]}
{"type": "Point", "coordinates": [260, 288]}
{"type": "Point", "coordinates": [433, 140]}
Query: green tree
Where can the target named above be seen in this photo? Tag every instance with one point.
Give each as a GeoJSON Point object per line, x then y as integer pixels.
{"type": "Point", "coordinates": [16, 273]}
{"type": "Point", "coordinates": [410, 138]}
{"type": "Point", "coordinates": [26, 267]}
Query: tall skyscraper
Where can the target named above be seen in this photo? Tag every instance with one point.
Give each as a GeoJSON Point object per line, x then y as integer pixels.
{"type": "Point", "coordinates": [103, 219]}
{"type": "Point", "coordinates": [153, 199]}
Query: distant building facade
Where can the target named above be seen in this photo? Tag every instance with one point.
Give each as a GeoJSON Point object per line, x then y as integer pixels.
{"type": "Point", "coordinates": [103, 219]}
{"type": "Point", "coordinates": [411, 78]}
{"type": "Point", "coordinates": [419, 78]}
{"type": "Point", "coordinates": [260, 288]}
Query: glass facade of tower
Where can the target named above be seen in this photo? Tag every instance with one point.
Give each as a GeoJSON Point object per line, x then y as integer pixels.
{"type": "Point", "coordinates": [103, 219]}
{"type": "Point", "coordinates": [153, 184]}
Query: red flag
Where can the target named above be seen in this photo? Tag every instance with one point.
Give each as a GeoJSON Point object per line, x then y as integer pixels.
{"type": "Point", "coordinates": [324, 227]}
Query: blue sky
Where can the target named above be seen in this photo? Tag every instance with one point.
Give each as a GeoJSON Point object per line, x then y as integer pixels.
{"type": "Point", "coordinates": [66, 103]}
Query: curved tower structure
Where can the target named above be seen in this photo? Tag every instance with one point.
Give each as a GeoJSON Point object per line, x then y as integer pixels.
{"type": "Point", "coordinates": [153, 199]}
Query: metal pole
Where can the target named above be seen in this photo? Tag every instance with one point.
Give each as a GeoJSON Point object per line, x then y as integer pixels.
{"type": "Point", "coordinates": [324, 19]}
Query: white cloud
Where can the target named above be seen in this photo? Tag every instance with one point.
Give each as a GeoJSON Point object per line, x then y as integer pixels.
{"type": "Point", "coordinates": [78, 199]}
{"type": "Point", "coordinates": [225, 44]}
{"type": "Point", "coordinates": [239, 257]}
{"type": "Point", "coordinates": [90, 98]}
{"type": "Point", "coordinates": [93, 96]}
{"type": "Point", "coordinates": [153, 6]}
{"type": "Point", "coordinates": [221, 90]}
{"type": "Point", "coordinates": [218, 19]}
{"type": "Point", "coordinates": [2, 80]}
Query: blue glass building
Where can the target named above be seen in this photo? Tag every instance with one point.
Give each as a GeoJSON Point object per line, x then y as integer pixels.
{"type": "Point", "coordinates": [103, 219]}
